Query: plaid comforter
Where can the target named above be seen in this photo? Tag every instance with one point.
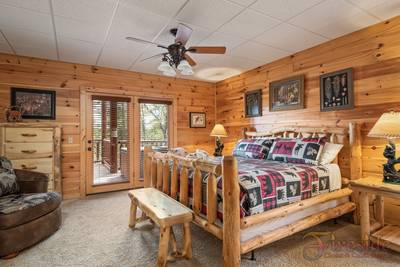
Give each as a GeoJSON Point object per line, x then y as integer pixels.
{"type": "Point", "coordinates": [269, 184]}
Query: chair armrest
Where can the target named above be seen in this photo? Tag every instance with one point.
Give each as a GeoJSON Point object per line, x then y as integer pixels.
{"type": "Point", "coordinates": [32, 182]}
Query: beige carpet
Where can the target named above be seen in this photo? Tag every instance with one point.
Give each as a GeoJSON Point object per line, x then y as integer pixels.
{"type": "Point", "coordinates": [95, 233]}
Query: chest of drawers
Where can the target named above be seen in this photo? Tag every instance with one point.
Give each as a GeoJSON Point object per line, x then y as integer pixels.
{"type": "Point", "coordinates": [33, 147]}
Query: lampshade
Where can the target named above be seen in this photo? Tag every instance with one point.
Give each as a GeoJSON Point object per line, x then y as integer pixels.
{"type": "Point", "coordinates": [164, 66]}
{"type": "Point", "coordinates": [183, 65]}
{"type": "Point", "coordinates": [388, 126]}
{"type": "Point", "coordinates": [218, 131]}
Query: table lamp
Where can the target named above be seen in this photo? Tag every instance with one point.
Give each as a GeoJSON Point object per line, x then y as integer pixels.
{"type": "Point", "coordinates": [218, 131]}
{"type": "Point", "coordinates": [388, 126]}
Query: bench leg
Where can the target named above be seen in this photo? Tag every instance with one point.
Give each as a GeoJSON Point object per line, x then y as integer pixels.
{"type": "Point", "coordinates": [187, 241]}
{"type": "Point", "coordinates": [163, 246]}
{"type": "Point", "coordinates": [132, 215]}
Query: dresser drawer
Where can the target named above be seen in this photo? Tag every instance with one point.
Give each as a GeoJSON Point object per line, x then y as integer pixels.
{"type": "Point", "coordinates": [28, 135]}
{"type": "Point", "coordinates": [28, 150]}
{"type": "Point", "coordinates": [37, 165]}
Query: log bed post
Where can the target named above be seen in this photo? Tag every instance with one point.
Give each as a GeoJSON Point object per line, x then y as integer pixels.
{"type": "Point", "coordinates": [147, 166]}
{"type": "Point", "coordinates": [355, 163]}
{"type": "Point", "coordinates": [231, 207]}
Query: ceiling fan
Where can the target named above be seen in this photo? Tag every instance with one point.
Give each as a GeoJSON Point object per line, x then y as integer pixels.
{"type": "Point", "coordinates": [176, 57]}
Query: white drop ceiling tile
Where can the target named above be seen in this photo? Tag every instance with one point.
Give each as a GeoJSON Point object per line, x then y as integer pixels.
{"type": "Point", "coordinates": [47, 52]}
{"type": "Point", "coordinates": [259, 52]}
{"type": "Point", "coordinates": [148, 66]}
{"type": "Point", "coordinates": [214, 74]}
{"type": "Point", "coordinates": [136, 22]}
{"type": "Point", "coordinates": [120, 57]}
{"type": "Point", "coordinates": [283, 9]}
{"type": "Point", "coordinates": [235, 62]}
{"type": "Point", "coordinates": [209, 13]}
{"type": "Point", "coordinates": [290, 38]}
{"type": "Point", "coordinates": [383, 9]}
{"type": "Point", "coordinates": [87, 10]}
{"type": "Point", "coordinates": [71, 50]}
{"type": "Point", "coordinates": [161, 7]}
{"type": "Point", "coordinates": [334, 18]}
{"type": "Point", "coordinates": [222, 39]}
{"type": "Point", "coordinates": [12, 17]}
{"type": "Point", "coordinates": [5, 48]}
{"type": "Point", "coordinates": [243, 2]}
{"type": "Point", "coordinates": [37, 5]}
{"type": "Point", "coordinates": [18, 37]}
{"type": "Point", "coordinates": [249, 24]}
{"type": "Point", "coordinates": [80, 30]}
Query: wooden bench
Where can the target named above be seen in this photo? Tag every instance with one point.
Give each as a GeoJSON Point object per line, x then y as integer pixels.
{"type": "Point", "coordinates": [165, 212]}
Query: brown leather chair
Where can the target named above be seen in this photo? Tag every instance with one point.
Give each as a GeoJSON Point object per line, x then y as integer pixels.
{"type": "Point", "coordinates": [28, 216]}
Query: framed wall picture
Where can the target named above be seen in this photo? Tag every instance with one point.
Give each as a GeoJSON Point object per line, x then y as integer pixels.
{"type": "Point", "coordinates": [197, 119]}
{"type": "Point", "coordinates": [336, 90]}
{"type": "Point", "coordinates": [253, 103]}
{"type": "Point", "coordinates": [287, 94]}
{"type": "Point", "coordinates": [35, 104]}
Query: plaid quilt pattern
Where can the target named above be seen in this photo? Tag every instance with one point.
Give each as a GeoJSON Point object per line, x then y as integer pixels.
{"type": "Point", "coordinates": [301, 150]}
{"type": "Point", "coordinates": [266, 185]}
{"type": "Point", "coordinates": [253, 148]}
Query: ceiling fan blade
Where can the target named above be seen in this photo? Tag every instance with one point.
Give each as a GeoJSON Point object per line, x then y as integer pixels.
{"type": "Point", "coordinates": [158, 55]}
{"type": "Point", "coordinates": [207, 49]}
{"type": "Point", "coordinates": [190, 60]}
{"type": "Point", "coordinates": [145, 42]}
{"type": "Point", "coordinates": [183, 34]}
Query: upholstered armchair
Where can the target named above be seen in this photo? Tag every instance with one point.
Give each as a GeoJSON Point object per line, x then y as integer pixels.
{"type": "Point", "coordinates": [28, 213]}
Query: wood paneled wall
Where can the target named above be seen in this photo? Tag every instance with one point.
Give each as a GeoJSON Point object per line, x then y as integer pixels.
{"type": "Point", "coordinates": [374, 55]}
{"type": "Point", "coordinates": [67, 80]}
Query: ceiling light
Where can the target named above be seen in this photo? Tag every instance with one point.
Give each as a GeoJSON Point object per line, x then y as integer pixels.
{"type": "Point", "coordinates": [187, 71]}
{"type": "Point", "coordinates": [171, 72]}
{"type": "Point", "coordinates": [164, 66]}
{"type": "Point", "coordinates": [183, 65]}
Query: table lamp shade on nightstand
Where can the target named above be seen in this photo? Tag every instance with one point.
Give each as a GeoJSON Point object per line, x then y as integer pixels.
{"type": "Point", "coordinates": [218, 131]}
{"type": "Point", "coordinates": [388, 126]}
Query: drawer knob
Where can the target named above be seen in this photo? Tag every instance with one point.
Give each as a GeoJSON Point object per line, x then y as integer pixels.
{"type": "Point", "coordinates": [29, 151]}
{"type": "Point", "coordinates": [24, 167]}
{"type": "Point", "coordinates": [28, 135]}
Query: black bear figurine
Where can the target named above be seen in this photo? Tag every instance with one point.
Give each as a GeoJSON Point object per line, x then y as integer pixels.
{"type": "Point", "coordinates": [390, 174]}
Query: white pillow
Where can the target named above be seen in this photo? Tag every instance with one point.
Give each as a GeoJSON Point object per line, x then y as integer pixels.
{"type": "Point", "coordinates": [329, 153]}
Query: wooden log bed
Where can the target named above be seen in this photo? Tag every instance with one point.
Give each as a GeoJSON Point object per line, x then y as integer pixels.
{"type": "Point", "coordinates": [244, 233]}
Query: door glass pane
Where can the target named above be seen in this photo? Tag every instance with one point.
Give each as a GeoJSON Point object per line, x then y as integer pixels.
{"type": "Point", "coordinates": [153, 128]}
{"type": "Point", "coordinates": [110, 141]}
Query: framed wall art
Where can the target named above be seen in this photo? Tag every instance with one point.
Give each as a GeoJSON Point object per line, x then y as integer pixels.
{"type": "Point", "coordinates": [253, 103]}
{"type": "Point", "coordinates": [34, 104]}
{"type": "Point", "coordinates": [197, 119]}
{"type": "Point", "coordinates": [287, 94]}
{"type": "Point", "coordinates": [336, 90]}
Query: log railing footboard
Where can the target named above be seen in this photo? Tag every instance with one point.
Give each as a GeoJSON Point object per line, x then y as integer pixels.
{"type": "Point", "coordinates": [158, 174]}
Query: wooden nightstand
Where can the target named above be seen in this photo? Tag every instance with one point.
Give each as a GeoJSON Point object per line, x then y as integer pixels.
{"type": "Point", "coordinates": [389, 235]}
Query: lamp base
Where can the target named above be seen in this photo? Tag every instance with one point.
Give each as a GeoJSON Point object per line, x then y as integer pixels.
{"type": "Point", "coordinates": [390, 174]}
{"type": "Point", "coordinates": [219, 146]}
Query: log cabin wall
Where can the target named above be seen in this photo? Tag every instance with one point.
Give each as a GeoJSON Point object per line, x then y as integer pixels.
{"type": "Point", "coordinates": [374, 55]}
{"type": "Point", "coordinates": [67, 79]}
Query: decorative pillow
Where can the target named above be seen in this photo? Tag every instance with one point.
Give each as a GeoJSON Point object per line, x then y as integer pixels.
{"type": "Point", "coordinates": [8, 180]}
{"type": "Point", "coordinates": [253, 148]}
{"type": "Point", "coordinates": [302, 150]}
{"type": "Point", "coordinates": [329, 153]}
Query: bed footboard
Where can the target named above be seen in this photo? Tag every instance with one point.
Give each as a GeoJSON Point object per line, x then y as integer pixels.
{"type": "Point", "coordinates": [157, 174]}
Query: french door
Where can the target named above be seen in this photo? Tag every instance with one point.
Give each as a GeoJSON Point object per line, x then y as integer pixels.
{"type": "Point", "coordinates": [109, 143]}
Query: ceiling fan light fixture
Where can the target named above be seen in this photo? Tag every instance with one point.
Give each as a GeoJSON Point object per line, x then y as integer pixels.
{"type": "Point", "coordinates": [183, 65]}
{"type": "Point", "coordinates": [171, 72]}
{"type": "Point", "coordinates": [187, 72]}
{"type": "Point", "coordinates": [164, 66]}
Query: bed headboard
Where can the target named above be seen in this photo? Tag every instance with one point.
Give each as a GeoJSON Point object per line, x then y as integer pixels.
{"type": "Point", "coordinates": [349, 158]}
